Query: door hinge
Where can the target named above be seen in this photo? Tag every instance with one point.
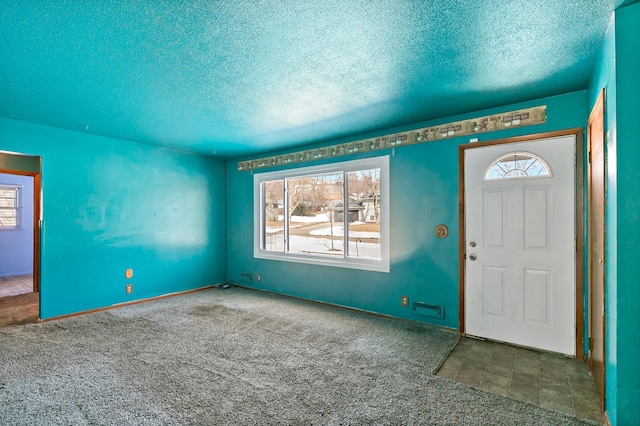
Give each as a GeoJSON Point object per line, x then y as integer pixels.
{"type": "Point", "coordinates": [590, 344]}
{"type": "Point", "coordinates": [589, 157]}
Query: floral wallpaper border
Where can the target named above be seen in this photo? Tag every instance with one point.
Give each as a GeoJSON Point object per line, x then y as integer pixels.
{"type": "Point", "coordinates": [489, 123]}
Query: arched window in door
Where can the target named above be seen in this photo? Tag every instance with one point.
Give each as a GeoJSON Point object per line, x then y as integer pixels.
{"type": "Point", "coordinates": [517, 165]}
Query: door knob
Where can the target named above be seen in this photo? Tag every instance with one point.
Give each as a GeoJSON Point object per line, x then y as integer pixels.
{"type": "Point", "coordinates": [472, 256]}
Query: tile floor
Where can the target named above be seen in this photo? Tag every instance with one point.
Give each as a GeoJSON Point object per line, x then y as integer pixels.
{"type": "Point", "coordinates": [540, 378]}
{"type": "Point", "coordinates": [11, 286]}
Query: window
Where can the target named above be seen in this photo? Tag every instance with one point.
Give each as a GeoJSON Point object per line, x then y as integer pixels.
{"type": "Point", "coordinates": [336, 214]}
{"type": "Point", "coordinates": [9, 207]}
{"type": "Point", "coordinates": [517, 165]}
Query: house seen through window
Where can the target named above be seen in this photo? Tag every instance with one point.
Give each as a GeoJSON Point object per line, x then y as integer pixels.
{"type": "Point", "coordinates": [335, 214]}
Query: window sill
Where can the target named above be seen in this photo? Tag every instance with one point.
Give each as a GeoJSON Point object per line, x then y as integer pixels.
{"type": "Point", "coordinates": [371, 266]}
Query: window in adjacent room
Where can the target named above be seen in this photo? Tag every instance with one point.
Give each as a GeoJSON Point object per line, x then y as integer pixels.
{"type": "Point", "coordinates": [335, 214]}
{"type": "Point", "coordinates": [9, 207]}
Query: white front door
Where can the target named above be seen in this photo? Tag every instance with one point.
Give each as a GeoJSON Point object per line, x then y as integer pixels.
{"type": "Point", "coordinates": [520, 243]}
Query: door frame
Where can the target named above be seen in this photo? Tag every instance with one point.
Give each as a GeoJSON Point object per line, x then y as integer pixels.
{"type": "Point", "coordinates": [579, 224]}
{"type": "Point", "coordinates": [597, 113]}
{"type": "Point", "coordinates": [15, 164]}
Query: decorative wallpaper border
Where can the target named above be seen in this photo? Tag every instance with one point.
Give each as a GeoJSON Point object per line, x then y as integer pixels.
{"type": "Point", "coordinates": [489, 123]}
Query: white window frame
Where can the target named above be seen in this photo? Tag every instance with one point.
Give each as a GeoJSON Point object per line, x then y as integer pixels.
{"type": "Point", "coordinates": [17, 208]}
{"type": "Point", "coordinates": [378, 265]}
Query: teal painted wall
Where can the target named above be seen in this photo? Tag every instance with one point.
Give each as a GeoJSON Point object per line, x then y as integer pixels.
{"type": "Point", "coordinates": [627, 320]}
{"type": "Point", "coordinates": [605, 77]}
{"type": "Point", "coordinates": [424, 193]}
{"type": "Point", "coordinates": [109, 205]}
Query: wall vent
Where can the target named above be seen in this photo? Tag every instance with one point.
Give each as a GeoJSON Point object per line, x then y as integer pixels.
{"type": "Point", "coordinates": [428, 310]}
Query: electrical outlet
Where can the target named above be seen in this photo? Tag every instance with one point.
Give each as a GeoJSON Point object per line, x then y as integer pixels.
{"type": "Point", "coordinates": [404, 301]}
{"type": "Point", "coordinates": [259, 277]}
{"type": "Point", "coordinates": [129, 288]}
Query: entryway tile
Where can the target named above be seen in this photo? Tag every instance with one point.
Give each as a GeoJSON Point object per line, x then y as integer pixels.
{"type": "Point", "coordinates": [544, 379]}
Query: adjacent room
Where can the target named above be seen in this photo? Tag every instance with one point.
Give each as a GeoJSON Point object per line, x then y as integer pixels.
{"type": "Point", "coordinates": [16, 219]}
{"type": "Point", "coordinates": [361, 212]}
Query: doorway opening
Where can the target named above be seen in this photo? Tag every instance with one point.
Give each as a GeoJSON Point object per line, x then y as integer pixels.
{"type": "Point", "coordinates": [16, 234]}
{"type": "Point", "coordinates": [20, 209]}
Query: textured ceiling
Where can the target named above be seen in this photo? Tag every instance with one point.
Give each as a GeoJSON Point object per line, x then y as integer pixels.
{"type": "Point", "coordinates": [238, 77]}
